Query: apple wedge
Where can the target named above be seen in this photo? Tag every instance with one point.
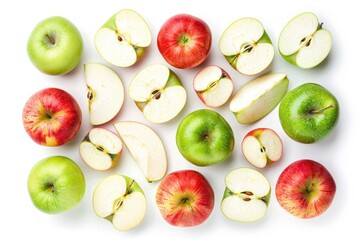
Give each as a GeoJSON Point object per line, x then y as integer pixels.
{"type": "Point", "coordinates": [123, 39]}
{"type": "Point", "coordinates": [120, 200]}
{"type": "Point", "coordinates": [105, 93]}
{"type": "Point", "coordinates": [146, 148]}
{"type": "Point", "coordinates": [213, 86]}
{"type": "Point", "coordinates": [101, 149]}
{"type": "Point", "coordinates": [158, 93]}
{"type": "Point", "coordinates": [257, 98]}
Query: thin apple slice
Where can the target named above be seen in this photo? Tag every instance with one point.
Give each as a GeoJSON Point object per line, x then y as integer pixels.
{"type": "Point", "coordinates": [146, 148]}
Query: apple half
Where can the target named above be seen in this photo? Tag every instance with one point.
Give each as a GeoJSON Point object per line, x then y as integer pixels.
{"type": "Point", "coordinates": [146, 148]}
{"type": "Point", "coordinates": [213, 86]}
{"type": "Point", "coordinates": [123, 39]}
{"type": "Point", "coordinates": [101, 149]}
{"type": "Point", "coordinates": [120, 200]}
{"type": "Point", "coordinates": [246, 46]}
{"type": "Point", "coordinates": [257, 98]}
{"type": "Point", "coordinates": [105, 93]}
{"type": "Point", "coordinates": [158, 93]}
{"type": "Point", "coordinates": [247, 194]}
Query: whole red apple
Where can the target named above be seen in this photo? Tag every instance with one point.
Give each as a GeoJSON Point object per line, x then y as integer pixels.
{"type": "Point", "coordinates": [51, 117]}
{"type": "Point", "coordinates": [305, 189]}
{"type": "Point", "coordinates": [184, 41]}
{"type": "Point", "coordinates": [185, 198]}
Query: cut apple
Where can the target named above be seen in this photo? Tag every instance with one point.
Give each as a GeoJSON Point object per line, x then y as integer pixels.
{"type": "Point", "coordinates": [158, 93]}
{"type": "Point", "coordinates": [246, 46]}
{"type": "Point", "coordinates": [120, 200]}
{"type": "Point", "coordinates": [123, 39]}
{"type": "Point", "coordinates": [213, 86]}
{"type": "Point", "coordinates": [246, 196]}
{"type": "Point", "coordinates": [101, 149]}
{"type": "Point", "coordinates": [146, 148]}
{"type": "Point", "coordinates": [105, 93]}
{"type": "Point", "coordinates": [258, 97]}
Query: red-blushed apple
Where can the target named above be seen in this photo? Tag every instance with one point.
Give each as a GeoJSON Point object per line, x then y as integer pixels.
{"type": "Point", "coordinates": [184, 41]}
{"type": "Point", "coordinates": [185, 198]}
{"type": "Point", "coordinates": [51, 117]}
{"type": "Point", "coordinates": [305, 189]}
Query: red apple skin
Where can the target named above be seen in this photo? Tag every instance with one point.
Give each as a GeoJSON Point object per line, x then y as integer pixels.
{"type": "Point", "coordinates": [185, 198]}
{"type": "Point", "coordinates": [305, 189]}
{"type": "Point", "coordinates": [184, 41]}
{"type": "Point", "coordinates": [51, 117]}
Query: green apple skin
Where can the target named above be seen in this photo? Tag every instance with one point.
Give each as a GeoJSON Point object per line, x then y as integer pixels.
{"type": "Point", "coordinates": [55, 46]}
{"type": "Point", "coordinates": [308, 113]}
{"type": "Point", "coordinates": [205, 138]}
{"type": "Point", "coordinates": [56, 184]}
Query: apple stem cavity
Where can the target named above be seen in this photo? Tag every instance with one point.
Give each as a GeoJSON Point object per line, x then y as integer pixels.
{"type": "Point", "coordinates": [50, 39]}
{"type": "Point", "coordinates": [184, 39]}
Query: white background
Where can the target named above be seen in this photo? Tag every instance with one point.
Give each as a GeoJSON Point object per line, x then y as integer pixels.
{"type": "Point", "coordinates": [20, 79]}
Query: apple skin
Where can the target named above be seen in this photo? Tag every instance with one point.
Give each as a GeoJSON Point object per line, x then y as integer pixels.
{"type": "Point", "coordinates": [185, 198]}
{"type": "Point", "coordinates": [51, 117]}
{"type": "Point", "coordinates": [308, 113]}
{"type": "Point", "coordinates": [184, 41]}
{"type": "Point", "coordinates": [55, 46]}
{"type": "Point", "coordinates": [56, 184]}
{"type": "Point", "coordinates": [305, 189]}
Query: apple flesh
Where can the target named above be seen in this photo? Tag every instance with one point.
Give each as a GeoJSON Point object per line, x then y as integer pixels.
{"type": "Point", "coordinates": [213, 86]}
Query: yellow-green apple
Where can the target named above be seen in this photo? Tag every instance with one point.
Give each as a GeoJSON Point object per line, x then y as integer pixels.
{"type": "Point", "coordinates": [261, 147]}
{"type": "Point", "coordinates": [304, 42]}
{"type": "Point", "coordinates": [123, 39]}
{"type": "Point", "coordinates": [185, 198]}
{"type": "Point", "coordinates": [51, 117]}
{"type": "Point", "coordinates": [257, 98]}
{"type": "Point", "coordinates": [120, 199]}
{"type": "Point", "coordinates": [105, 93]}
{"type": "Point", "coordinates": [246, 46]}
{"type": "Point", "coordinates": [158, 93]}
{"type": "Point", "coordinates": [101, 149]}
{"type": "Point", "coordinates": [55, 46]}
{"type": "Point", "coordinates": [213, 86]}
{"type": "Point", "coordinates": [305, 189]}
{"type": "Point", "coordinates": [184, 41]}
{"type": "Point", "coordinates": [56, 184]}
{"type": "Point", "coordinates": [247, 194]}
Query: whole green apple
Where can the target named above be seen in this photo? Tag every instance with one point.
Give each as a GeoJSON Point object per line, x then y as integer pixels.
{"type": "Point", "coordinates": [205, 138]}
{"type": "Point", "coordinates": [308, 113]}
{"type": "Point", "coordinates": [55, 46]}
{"type": "Point", "coordinates": [56, 184]}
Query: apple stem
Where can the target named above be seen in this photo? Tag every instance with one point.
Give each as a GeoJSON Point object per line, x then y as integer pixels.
{"type": "Point", "coordinates": [318, 111]}
{"type": "Point", "coordinates": [50, 39]}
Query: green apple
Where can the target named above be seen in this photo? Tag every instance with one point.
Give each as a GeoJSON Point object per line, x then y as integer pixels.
{"type": "Point", "coordinates": [205, 138]}
{"type": "Point", "coordinates": [55, 46]}
{"type": "Point", "coordinates": [56, 184]}
{"type": "Point", "coordinates": [308, 113]}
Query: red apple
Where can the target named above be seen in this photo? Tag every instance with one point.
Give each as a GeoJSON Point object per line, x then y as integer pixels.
{"type": "Point", "coordinates": [184, 41]}
{"type": "Point", "coordinates": [185, 198]}
{"type": "Point", "coordinates": [305, 189]}
{"type": "Point", "coordinates": [51, 117]}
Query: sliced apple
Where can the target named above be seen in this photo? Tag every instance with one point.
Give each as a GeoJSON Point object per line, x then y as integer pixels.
{"type": "Point", "coordinates": [158, 93]}
{"type": "Point", "coordinates": [123, 39]}
{"type": "Point", "coordinates": [257, 98]}
{"type": "Point", "coordinates": [146, 148]}
{"type": "Point", "coordinates": [105, 93]}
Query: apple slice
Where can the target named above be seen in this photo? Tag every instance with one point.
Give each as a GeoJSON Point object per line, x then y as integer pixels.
{"type": "Point", "coordinates": [120, 200]}
{"type": "Point", "coordinates": [246, 46]}
{"type": "Point", "coordinates": [258, 97]}
{"type": "Point", "coordinates": [261, 147]}
{"type": "Point", "coordinates": [246, 197]}
{"type": "Point", "coordinates": [146, 148]}
{"type": "Point", "coordinates": [213, 86]}
{"type": "Point", "coordinates": [158, 93]}
{"type": "Point", "coordinates": [105, 93]}
{"type": "Point", "coordinates": [304, 42]}
{"type": "Point", "coordinates": [123, 39]}
{"type": "Point", "coordinates": [101, 149]}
